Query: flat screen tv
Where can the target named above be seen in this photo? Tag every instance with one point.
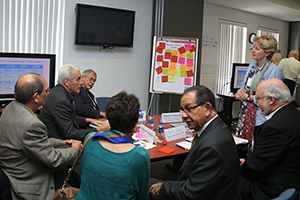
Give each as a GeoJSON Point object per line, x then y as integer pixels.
{"type": "Point", "coordinates": [238, 75]}
{"type": "Point", "coordinates": [14, 65]}
{"type": "Point", "coordinates": [103, 26]}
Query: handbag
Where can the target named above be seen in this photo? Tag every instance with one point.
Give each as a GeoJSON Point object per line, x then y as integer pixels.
{"type": "Point", "coordinates": [69, 193]}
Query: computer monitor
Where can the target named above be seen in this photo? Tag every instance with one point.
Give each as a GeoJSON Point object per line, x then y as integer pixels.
{"type": "Point", "coordinates": [238, 75]}
{"type": "Point", "coordinates": [14, 65]}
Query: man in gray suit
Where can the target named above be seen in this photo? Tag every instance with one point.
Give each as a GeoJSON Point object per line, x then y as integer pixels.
{"type": "Point", "coordinates": [27, 155]}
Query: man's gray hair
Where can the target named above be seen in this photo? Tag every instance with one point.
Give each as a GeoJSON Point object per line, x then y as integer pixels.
{"type": "Point", "coordinates": [66, 71]}
{"type": "Point", "coordinates": [86, 72]}
{"type": "Point", "coordinates": [281, 94]}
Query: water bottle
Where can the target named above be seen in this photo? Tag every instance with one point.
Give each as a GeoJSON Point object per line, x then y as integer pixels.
{"type": "Point", "coordinates": [140, 117]}
{"type": "Point", "coordinates": [150, 121]}
{"type": "Point", "coordinates": [188, 132]}
{"type": "Point", "coordinates": [160, 132]}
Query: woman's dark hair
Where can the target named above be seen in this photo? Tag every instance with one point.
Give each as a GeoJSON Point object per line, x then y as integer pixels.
{"type": "Point", "coordinates": [122, 112]}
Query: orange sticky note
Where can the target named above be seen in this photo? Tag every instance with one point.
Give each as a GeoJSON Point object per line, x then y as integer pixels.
{"type": "Point", "coordinates": [166, 150]}
{"type": "Point", "coordinates": [183, 67]}
{"type": "Point", "coordinates": [171, 71]}
{"type": "Point", "coordinates": [174, 52]}
{"type": "Point", "coordinates": [173, 65]}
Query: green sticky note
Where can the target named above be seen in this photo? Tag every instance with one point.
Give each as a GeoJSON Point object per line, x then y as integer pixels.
{"type": "Point", "coordinates": [165, 70]}
{"type": "Point", "coordinates": [177, 72]}
{"type": "Point", "coordinates": [183, 74]}
{"type": "Point", "coordinates": [168, 51]}
{"type": "Point", "coordinates": [171, 79]}
{"type": "Point", "coordinates": [190, 55]}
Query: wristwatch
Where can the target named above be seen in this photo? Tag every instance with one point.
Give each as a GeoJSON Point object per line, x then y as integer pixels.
{"type": "Point", "coordinates": [248, 98]}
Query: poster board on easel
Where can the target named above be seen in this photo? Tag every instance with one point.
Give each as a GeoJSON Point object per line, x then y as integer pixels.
{"type": "Point", "coordinates": [174, 64]}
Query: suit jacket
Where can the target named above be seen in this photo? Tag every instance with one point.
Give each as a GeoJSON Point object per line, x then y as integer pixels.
{"type": "Point", "coordinates": [27, 155]}
{"type": "Point", "coordinates": [59, 116]}
{"type": "Point", "coordinates": [274, 164]}
{"type": "Point", "coordinates": [211, 169]}
{"type": "Point", "coordinates": [84, 106]}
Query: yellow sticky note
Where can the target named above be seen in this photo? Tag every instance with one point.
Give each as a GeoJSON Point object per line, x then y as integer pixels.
{"type": "Point", "coordinates": [171, 71]}
{"type": "Point", "coordinates": [171, 79]}
{"type": "Point", "coordinates": [174, 52]}
{"type": "Point", "coordinates": [165, 70]}
{"type": "Point", "coordinates": [183, 74]}
{"type": "Point", "coordinates": [190, 55]}
{"type": "Point", "coordinates": [182, 54]}
{"type": "Point", "coordinates": [183, 67]}
{"type": "Point", "coordinates": [177, 72]}
{"type": "Point", "coordinates": [173, 65]}
{"type": "Point", "coordinates": [189, 68]}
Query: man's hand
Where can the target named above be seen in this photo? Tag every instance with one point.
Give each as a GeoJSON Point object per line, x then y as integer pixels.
{"type": "Point", "coordinates": [104, 127]}
{"type": "Point", "coordinates": [241, 95]}
{"type": "Point", "coordinates": [242, 160]}
{"type": "Point", "coordinates": [70, 141]}
{"type": "Point", "coordinates": [77, 144]}
{"type": "Point", "coordinates": [102, 114]}
{"type": "Point", "coordinates": [154, 190]}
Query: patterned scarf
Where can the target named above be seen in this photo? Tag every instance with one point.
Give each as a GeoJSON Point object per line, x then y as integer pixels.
{"type": "Point", "coordinates": [246, 122]}
{"type": "Point", "coordinates": [114, 136]}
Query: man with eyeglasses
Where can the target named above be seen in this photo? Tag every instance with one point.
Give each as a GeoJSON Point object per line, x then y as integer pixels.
{"type": "Point", "coordinates": [27, 155]}
{"type": "Point", "coordinates": [211, 169]}
{"type": "Point", "coordinates": [273, 164]}
{"type": "Point", "coordinates": [85, 103]}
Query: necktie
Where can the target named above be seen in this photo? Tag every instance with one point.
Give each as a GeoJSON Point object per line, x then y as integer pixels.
{"type": "Point", "coordinates": [194, 140]}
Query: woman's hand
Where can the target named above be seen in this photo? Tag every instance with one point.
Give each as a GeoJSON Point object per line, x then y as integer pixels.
{"type": "Point", "coordinates": [241, 95]}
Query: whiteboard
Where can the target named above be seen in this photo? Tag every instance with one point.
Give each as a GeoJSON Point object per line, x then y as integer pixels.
{"type": "Point", "coordinates": [174, 64]}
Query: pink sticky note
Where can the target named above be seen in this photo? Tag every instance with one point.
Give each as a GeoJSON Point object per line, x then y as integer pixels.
{"type": "Point", "coordinates": [188, 46]}
{"type": "Point", "coordinates": [187, 81]}
{"type": "Point", "coordinates": [189, 62]}
{"type": "Point", "coordinates": [138, 135]}
{"type": "Point", "coordinates": [181, 60]}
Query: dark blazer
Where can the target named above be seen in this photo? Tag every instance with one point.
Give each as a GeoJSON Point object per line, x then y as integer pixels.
{"type": "Point", "coordinates": [274, 164]}
{"type": "Point", "coordinates": [59, 116]}
{"type": "Point", "coordinates": [84, 106]}
{"type": "Point", "coordinates": [211, 169]}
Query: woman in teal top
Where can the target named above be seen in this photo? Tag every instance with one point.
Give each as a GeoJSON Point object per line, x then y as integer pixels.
{"type": "Point", "coordinates": [112, 167]}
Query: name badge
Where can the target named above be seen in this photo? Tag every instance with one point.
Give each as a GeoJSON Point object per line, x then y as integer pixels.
{"type": "Point", "coordinates": [175, 133]}
{"type": "Point", "coordinates": [249, 81]}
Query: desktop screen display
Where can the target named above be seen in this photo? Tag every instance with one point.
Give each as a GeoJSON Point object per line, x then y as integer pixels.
{"type": "Point", "coordinates": [238, 75]}
{"type": "Point", "coordinates": [13, 66]}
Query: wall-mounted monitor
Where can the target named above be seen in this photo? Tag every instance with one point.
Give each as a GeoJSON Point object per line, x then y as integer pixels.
{"type": "Point", "coordinates": [238, 75]}
{"type": "Point", "coordinates": [14, 65]}
{"type": "Point", "coordinates": [103, 26]}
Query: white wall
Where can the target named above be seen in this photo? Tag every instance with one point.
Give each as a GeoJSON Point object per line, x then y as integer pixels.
{"type": "Point", "coordinates": [121, 68]}
{"type": "Point", "coordinates": [211, 28]}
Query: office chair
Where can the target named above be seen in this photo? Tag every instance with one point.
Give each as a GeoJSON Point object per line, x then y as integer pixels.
{"type": "Point", "coordinates": [289, 194]}
{"type": "Point", "coordinates": [101, 101]}
{"type": "Point", "coordinates": [4, 186]}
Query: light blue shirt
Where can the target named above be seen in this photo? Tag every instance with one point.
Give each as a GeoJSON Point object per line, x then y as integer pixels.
{"type": "Point", "coordinates": [272, 72]}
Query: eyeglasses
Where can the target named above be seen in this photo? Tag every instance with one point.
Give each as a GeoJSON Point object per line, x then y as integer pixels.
{"type": "Point", "coordinates": [258, 98]}
{"type": "Point", "coordinates": [91, 79]}
{"type": "Point", "coordinates": [264, 37]}
{"type": "Point", "coordinates": [40, 91]}
{"type": "Point", "coordinates": [188, 109]}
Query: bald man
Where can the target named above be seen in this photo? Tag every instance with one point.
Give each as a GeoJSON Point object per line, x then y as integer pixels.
{"type": "Point", "coordinates": [27, 155]}
{"type": "Point", "coordinates": [273, 165]}
{"type": "Point", "coordinates": [291, 69]}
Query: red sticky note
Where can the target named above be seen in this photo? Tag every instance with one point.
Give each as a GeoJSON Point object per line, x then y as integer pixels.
{"type": "Point", "coordinates": [165, 64]}
{"type": "Point", "coordinates": [168, 55]}
{"type": "Point", "coordinates": [159, 70]}
{"type": "Point", "coordinates": [162, 45]}
{"type": "Point", "coordinates": [160, 58]}
{"type": "Point", "coordinates": [159, 49]}
{"type": "Point", "coordinates": [181, 50]}
{"type": "Point", "coordinates": [166, 150]}
{"type": "Point", "coordinates": [193, 48]}
{"type": "Point", "coordinates": [164, 79]}
{"type": "Point", "coordinates": [189, 73]}
{"type": "Point", "coordinates": [174, 59]}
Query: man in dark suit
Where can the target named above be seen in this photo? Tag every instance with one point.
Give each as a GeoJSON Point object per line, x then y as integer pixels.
{"type": "Point", "coordinates": [58, 113]}
{"type": "Point", "coordinates": [273, 165]}
{"type": "Point", "coordinates": [85, 103]}
{"type": "Point", "coordinates": [211, 169]}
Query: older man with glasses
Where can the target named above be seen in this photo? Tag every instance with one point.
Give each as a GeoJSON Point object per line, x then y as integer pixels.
{"type": "Point", "coordinates": [273, 164]}
{"type": "Point", "coordinates": [211, 169]}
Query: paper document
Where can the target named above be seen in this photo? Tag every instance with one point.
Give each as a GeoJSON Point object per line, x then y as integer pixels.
{"type": "Point", "coordinates": [185, 145]}
{"type": "Point", "coordinates": [238, 140]}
